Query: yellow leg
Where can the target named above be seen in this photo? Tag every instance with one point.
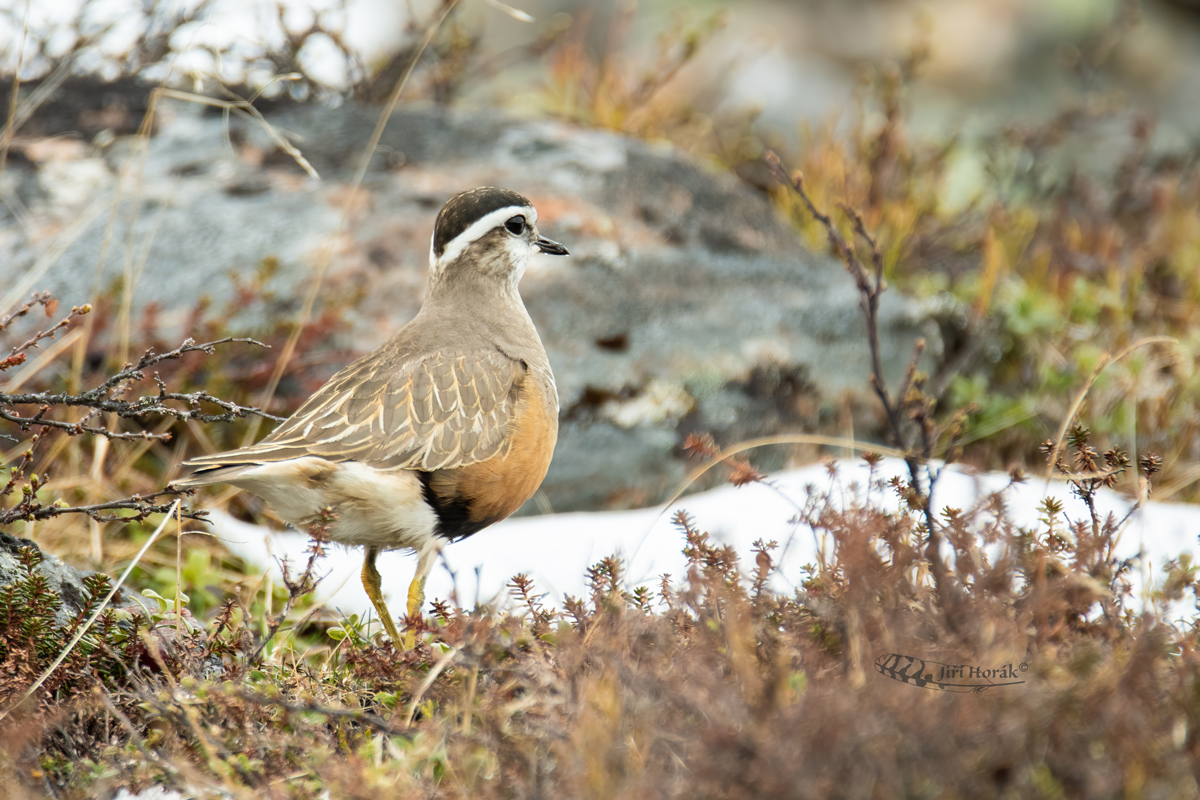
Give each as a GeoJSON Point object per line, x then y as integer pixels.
{"type": "Point", "coordinates": [370, 579]}
{"type": "Point", "coordinates": [416, 589]}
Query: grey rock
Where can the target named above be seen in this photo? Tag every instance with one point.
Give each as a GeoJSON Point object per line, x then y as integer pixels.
{"type": "Point", "coordinates": [63, 579]}
{"type": "Point", "coordinates": [66, 582]}
{"type": "Point", "coordinates": [689, 304]}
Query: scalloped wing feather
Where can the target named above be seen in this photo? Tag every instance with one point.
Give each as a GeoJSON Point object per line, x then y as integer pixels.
{"type": "Point", "coordinates": [439, 412]}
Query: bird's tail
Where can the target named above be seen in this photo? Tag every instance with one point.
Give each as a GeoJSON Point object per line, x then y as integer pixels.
{"type": "Point", "coordinates": [209, 475]}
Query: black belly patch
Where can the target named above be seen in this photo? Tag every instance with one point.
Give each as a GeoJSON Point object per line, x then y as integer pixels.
{"type": "Point", "coordinates": [453, 513]}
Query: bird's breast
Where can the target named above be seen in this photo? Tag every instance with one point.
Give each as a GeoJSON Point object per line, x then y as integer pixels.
{"type": "Point", "coordinates": [469, 498]}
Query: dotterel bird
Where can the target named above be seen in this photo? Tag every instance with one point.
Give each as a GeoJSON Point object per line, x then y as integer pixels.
{"type": "Point", "coordinates": [445, 429]}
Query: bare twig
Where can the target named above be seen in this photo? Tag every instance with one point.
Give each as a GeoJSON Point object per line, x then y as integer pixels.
{"type": "Point", "coordinates": [870, 287]}
{"type": "Point", "coordinates": [912, 402]}
{"type": "Point", "coordinates": [106, 398]}
{"type": "Point", "coordinates": [76, 428]}
{"type": "Point", "coordinates": [32, 342]}
{"type": "Point", "coordinates": [142, 505]}
{"type": "Point", "coordinates": [101, 398]}
{"type": "Point", "coordinates": [44, 299]}
{"type": "Point", "coordinates": [298, 587]}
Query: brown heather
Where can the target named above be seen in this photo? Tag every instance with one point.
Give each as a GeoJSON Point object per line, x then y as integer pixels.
{"type": "Point", "coordinates": [710, 684]}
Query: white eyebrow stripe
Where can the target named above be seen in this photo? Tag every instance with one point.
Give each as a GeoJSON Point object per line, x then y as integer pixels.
{"type": "Point", "coordinates": [478, 228]}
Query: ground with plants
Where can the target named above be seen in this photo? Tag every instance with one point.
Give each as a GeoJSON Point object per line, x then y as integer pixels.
{"type": "Point", "coordinates": [1068, 348]}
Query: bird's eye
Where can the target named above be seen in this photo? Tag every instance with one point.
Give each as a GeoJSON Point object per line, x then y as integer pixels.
{"type": "Point", "coordinates": [516, 225]}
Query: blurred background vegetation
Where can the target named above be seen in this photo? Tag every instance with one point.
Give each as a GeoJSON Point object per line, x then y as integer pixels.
{"type": "Point", "coordinates": [1027, 167]}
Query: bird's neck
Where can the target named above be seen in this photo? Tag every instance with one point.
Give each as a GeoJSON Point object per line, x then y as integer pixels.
{"type": "Point", "coordinates": [483, 301]}
{"type": "Point", "coordinates": [473, 291]}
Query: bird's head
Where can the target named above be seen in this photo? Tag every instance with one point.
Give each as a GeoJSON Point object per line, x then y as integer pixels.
{"type": "Point", "coordinates": [486, 232]}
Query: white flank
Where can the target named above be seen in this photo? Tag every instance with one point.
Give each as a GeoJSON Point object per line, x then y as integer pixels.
{"type": "Point", "coordinates": [378, 507]}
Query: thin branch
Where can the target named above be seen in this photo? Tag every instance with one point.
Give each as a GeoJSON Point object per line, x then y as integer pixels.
{"type": "Point", "coordinates": [49, 332]}
{"type": "Point", "coordinates": [869, 294]}
{"type": "Point", "coordinates": [76, 428]}
{"type": "Point", "coordinates": [143, 505]}
{"type": "Point", "coordinates": [38, 299]}
{"type": "Point", "coordinates": [298, 587]}
{"type": "Point", "coordinates": [912, 401]}
{"type": "Point", "coordinates": [150, 358]}
{"type": "Point", "coordinates": [100, 398]}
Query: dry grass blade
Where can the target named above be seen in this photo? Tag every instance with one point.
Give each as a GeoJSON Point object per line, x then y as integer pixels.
{"type": "Point", "coordinates": [442, 663]}
{"type": "Point", "coordinates": [10, 123]}
{"type": "Point", "coordinates": [246, 110]}
{"type": "Point", "coordinates": [44, 91]}
{"type": "Point", "coordinates": [326, 256]}
{"type": "Point", "coordinates": [515, 13]}
{"type": "Point", "coordinates": [62, 242]}
{"type": "Point", "coordinates": [48, 355]}
{"type": "Point", "coordinates": [797, 438]}
{"type": "Point", "coordinates": [1106, 361]}
{"type": "Point", "coordinates": [66, 651]}
{"type": "Point", "coordinates": [1185, 475]}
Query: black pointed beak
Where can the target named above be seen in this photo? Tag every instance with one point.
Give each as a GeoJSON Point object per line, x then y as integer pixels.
{"type": "Point", "coordinates": [551, 247]}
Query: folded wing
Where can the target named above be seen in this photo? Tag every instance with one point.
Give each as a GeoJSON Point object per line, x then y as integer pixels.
{"type": "Point", "coordinates": [445, 410]}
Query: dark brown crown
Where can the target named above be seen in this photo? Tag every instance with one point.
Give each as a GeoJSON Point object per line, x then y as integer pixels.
{"type": "Point", "coordinates": [466, 208]}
